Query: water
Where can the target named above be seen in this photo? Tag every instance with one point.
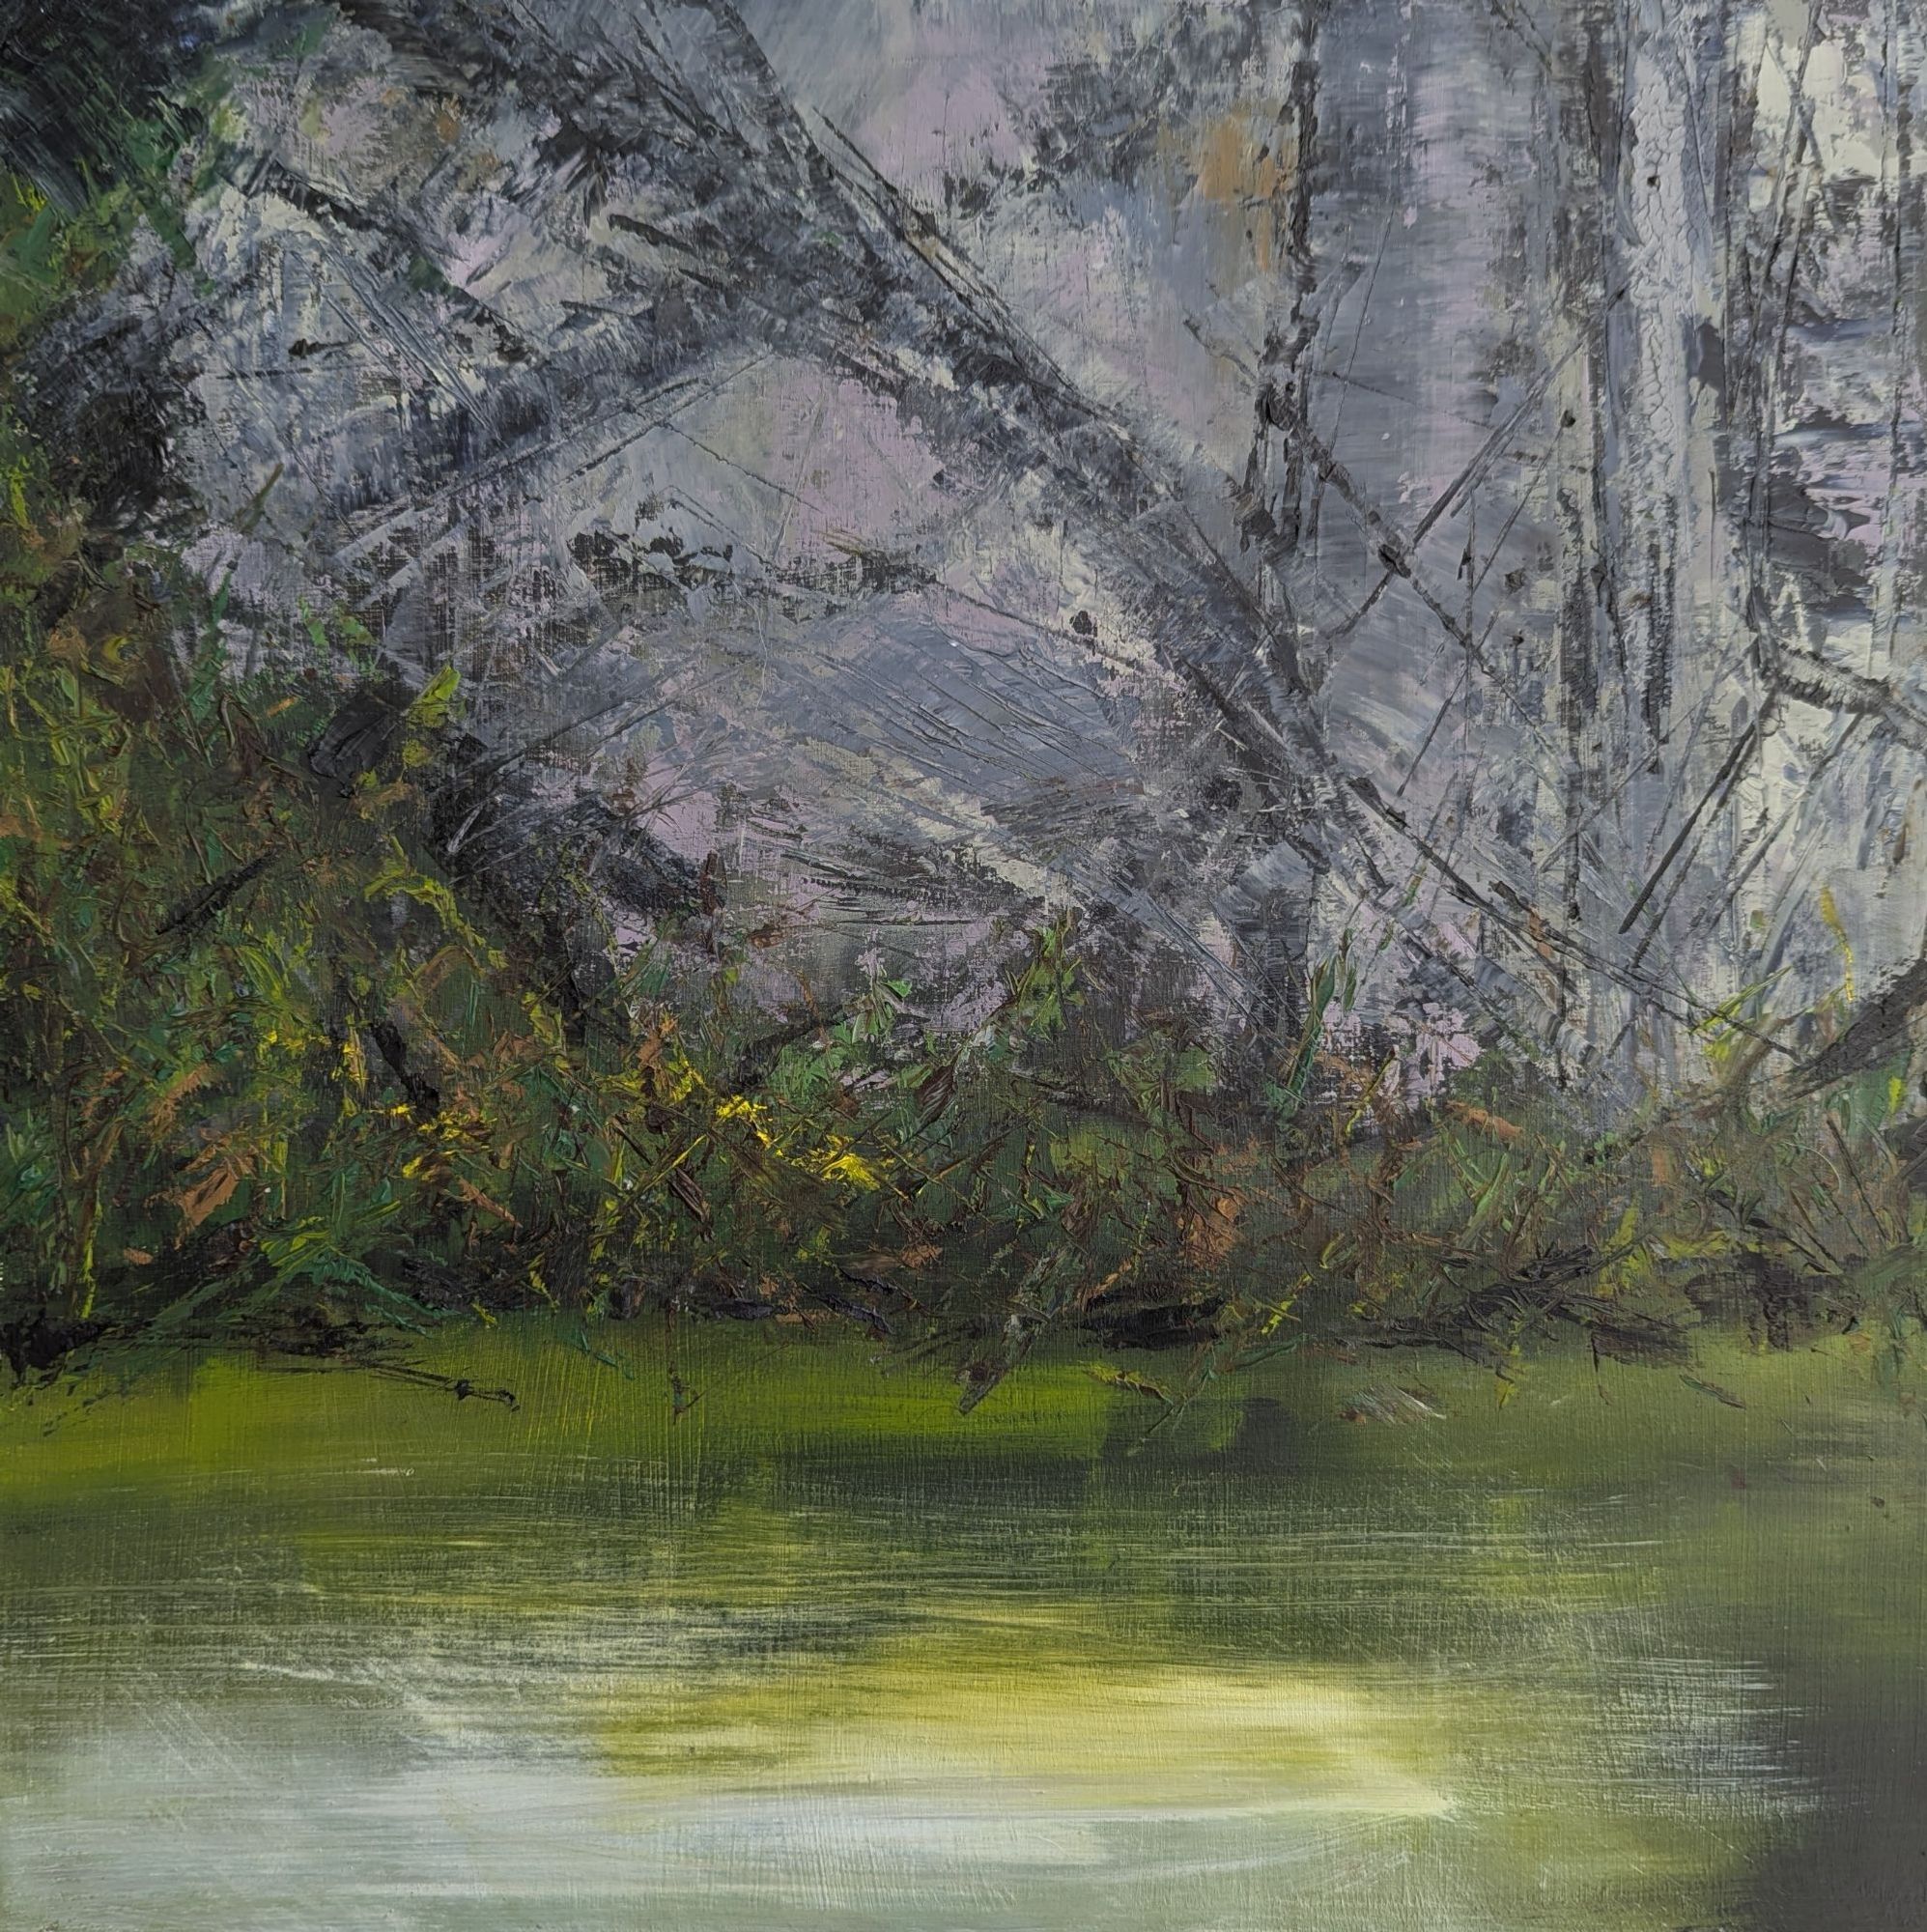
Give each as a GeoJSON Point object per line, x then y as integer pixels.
{"type": "Point", "coordinates": [323, 1651]}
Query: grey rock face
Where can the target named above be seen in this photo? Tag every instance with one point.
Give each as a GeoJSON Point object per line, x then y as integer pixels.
{"type": "Point", "coordinates": [1444, 482]}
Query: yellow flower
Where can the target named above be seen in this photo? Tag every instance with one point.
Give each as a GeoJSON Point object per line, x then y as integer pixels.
{"type": "Point", "coordinates": [737, 1108]}
{"type": "Point", "coordinates": [842, 1164]}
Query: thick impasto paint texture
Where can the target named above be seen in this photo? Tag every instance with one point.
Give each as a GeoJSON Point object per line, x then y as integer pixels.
{"type": "Point", "coordinates": [962, 965]}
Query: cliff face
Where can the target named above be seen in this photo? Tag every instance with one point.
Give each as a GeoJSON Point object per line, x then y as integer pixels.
{"type": "Point", "coordinates": [1441, 481]}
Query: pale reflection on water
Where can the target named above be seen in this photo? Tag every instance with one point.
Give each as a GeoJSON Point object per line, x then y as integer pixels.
{"type": "Point", "coordinates": [320, 1653]}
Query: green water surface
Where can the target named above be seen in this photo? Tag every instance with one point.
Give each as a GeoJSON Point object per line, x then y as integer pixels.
{"type": "Point", "coordinates": [1347, 1646]}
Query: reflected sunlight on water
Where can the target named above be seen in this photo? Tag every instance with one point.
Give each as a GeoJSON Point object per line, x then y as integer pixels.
{"type": "Point", "coordinates": [314, 1653]}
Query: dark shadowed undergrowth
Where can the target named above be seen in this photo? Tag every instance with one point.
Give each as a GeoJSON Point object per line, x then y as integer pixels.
{"type": "Point", "coordinates": [277, 1072]}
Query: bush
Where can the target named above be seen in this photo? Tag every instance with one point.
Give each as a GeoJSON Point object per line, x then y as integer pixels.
{"type": "Point", "coordinates": [272, 1068]}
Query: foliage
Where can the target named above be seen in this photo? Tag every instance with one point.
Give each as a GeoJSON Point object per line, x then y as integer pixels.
{"type": "Point", "coordinates": [270, 1069]}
